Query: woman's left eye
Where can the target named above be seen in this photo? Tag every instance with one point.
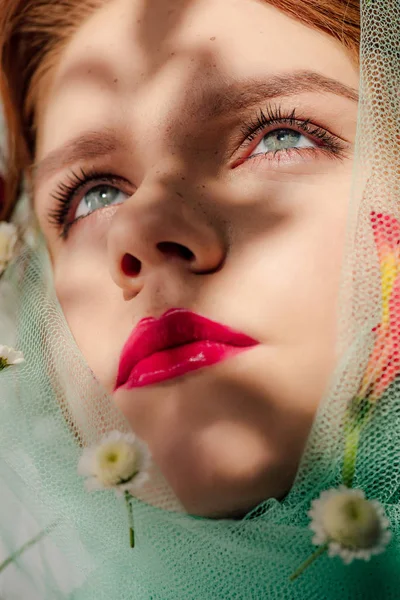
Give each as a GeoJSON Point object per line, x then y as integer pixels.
{"type": "Point", "coordinates": [98, 197]}
{"type": "Point", "coordinates": [281, 134]}
{"type": "Point", "coordinates": [282, 139]}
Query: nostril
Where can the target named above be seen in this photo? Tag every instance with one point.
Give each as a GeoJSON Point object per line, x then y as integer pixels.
{"type": "Point", "coordinates": [130, 265]}
{"type": "Point", "coordinates": [174, 249]}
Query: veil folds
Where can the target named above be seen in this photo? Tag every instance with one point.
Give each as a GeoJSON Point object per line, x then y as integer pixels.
{"type": "Point", "coordinates": [52, 406]}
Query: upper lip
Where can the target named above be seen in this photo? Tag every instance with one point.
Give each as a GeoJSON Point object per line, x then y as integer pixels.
{"type": "Point", "coordinates": [176, 327]}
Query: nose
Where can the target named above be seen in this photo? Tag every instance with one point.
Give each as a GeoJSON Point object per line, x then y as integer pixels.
{"type": "Point", "coordinates": [158, 226]}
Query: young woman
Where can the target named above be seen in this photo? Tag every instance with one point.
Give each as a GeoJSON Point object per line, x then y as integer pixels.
{"type": "Point", "coordinates": [188, 170]}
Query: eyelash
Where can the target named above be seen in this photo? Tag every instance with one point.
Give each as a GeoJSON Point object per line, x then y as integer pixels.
{"type": "Point", "coordinates": [275, 115]}
{"type": "Point", "coordinates": [66, 192]}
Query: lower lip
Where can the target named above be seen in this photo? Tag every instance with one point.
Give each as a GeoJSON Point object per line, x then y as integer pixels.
{"type": "Point", "coordinates": [178, 361]}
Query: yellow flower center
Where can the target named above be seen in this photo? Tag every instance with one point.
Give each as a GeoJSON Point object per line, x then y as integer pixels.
{"type": "Point", "coordinates": [352, 522]}
{"type": "Point", "coordinates": [112, 457]}
{"type": "Point", "coordinates": [116, 462]}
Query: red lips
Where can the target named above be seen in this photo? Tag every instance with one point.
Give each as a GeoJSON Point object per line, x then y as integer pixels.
{"type": "Point", "coordinates": [177, 343]}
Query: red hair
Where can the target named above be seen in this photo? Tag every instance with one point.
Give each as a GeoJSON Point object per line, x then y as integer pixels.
{"type": "Point", "coordinates": [33, 32]}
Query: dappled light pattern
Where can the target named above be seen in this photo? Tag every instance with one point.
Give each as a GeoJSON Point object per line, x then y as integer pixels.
{"type": "Point", "coordinates": [52, 406]}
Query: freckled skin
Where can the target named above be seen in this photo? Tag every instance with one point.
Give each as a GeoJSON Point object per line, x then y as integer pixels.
{"type": "Point", "coordinates": [267, 237]}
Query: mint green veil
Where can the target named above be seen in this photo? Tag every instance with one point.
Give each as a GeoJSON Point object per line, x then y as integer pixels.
{"type": "Point", "coordinates": [52, 406]}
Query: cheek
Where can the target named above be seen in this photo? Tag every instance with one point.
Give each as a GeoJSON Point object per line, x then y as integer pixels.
{"type": "Point", "coordinates": [291, 279]}
{"type": "Point", "coordinates": [302, 270]}
{"type": "Point", "coordinates": [91, 306]}
{"type": "Point", "coordinates": [306, 282]}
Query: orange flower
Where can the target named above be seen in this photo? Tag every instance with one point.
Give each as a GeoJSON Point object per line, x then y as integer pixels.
{"type": "Point", "coordinates": [384, 365]}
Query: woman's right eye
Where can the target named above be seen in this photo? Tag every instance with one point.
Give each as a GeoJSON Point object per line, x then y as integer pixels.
{"type": "Point", "coordinates": [83, 193]}
{"type": "Point", "coordinates": [99, 197]}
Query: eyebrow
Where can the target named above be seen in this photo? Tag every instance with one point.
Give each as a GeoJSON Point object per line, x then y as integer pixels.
{"type": "Point", "coordinates": [237, 96]}
{"type": "Point", "coordinates": [90, 145]}
{"type": "Point", "coordinates": [212, 103]}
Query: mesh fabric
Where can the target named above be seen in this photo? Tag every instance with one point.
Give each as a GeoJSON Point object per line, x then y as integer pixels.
{"type": "Point", "coordinates": [53, 406]}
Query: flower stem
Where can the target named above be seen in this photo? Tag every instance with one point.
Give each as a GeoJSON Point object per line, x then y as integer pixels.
{"type": "Point", "coordinates": [350, 455]}
{"type": "Point", "coordinates": [309, 561]}
{"type": "Point", "coordinates": [25, 547]}
{"type": "Point", "coordinates": [130, 517]}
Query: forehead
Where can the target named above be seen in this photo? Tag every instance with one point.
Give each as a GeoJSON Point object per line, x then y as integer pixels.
{"type": "Point", "coordinates": [168, 57]}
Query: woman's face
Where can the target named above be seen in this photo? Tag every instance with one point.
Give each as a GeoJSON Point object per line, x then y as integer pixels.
{"type": "Point", "coordinates": [205, 148]}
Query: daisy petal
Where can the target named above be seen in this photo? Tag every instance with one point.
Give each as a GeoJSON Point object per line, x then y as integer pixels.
{"type": "Point", "coordinates": [355, 528]}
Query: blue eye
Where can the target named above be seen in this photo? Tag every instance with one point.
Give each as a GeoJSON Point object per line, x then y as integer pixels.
{"type": "Point", "coordinates": [280, 132]}
{"type": "Point", "coordinates": [282, 139]}
{"type": "Point", "coordinates": [83, 193]}
{"type": "Point", "coordinates": [99, 197]}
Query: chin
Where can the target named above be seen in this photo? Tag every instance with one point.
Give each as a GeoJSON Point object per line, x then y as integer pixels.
{"type": "Point", "coordinates": [214, 485]}
{"type": "Point", "coordinates": [214, 441]}
{"type": "Point", "coordinates": [224, 503]}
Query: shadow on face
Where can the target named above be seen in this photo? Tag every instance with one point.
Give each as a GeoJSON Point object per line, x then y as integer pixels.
{"type": "Point", "coordinates": [198, 155]}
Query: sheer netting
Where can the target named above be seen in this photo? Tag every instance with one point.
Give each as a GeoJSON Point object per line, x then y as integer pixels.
{"type": "Point", "coordinates": [52, 407]}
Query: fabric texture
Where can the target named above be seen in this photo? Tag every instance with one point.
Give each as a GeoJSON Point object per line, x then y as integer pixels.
{"type": "Point", "coordinates": [52, 407]}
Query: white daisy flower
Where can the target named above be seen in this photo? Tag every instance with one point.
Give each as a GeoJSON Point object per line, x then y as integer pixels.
{"type": "Point", "coordinates": [120, 461]}
{"type": "Point", "coordinates": [9, 357]}
{"type": "Point", "coordinates": [352, 526]}
{"type": "Point", "coordinates": [8, 239]}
